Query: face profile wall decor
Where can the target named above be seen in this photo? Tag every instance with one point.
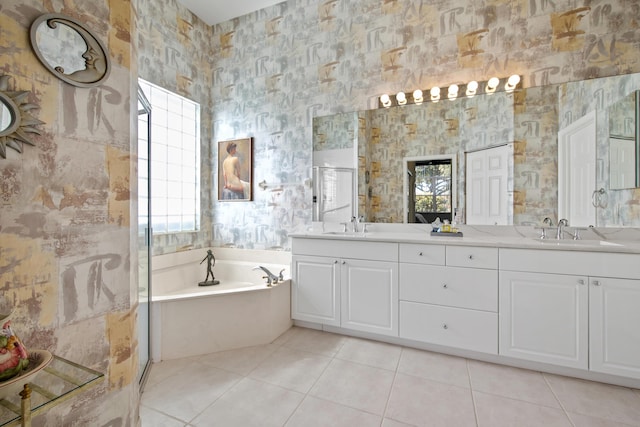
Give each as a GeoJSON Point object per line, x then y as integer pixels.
{"type": "Point", "coordinates": [69, 50]}
{"type": "Point", "coordinates": [16, 121]}
{"type": "Point", "coordinates": [235, 165]}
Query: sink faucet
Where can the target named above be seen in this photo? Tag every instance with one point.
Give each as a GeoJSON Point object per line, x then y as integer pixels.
{"type": "Point", "coordinates": [271, 278]}
{"type": "Point", "coordinates": [561, 224]}
{"type": "Point", "coordinates": [355, 220]}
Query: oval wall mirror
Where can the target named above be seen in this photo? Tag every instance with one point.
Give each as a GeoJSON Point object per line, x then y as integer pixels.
{"type": "Point", "coordinates": [16, 121]}
{"type": "Point", "coordinates": [69, 50]}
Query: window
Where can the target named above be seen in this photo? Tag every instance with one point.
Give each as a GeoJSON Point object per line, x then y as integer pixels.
{"type": "Point", "coordinates": [175, 160]}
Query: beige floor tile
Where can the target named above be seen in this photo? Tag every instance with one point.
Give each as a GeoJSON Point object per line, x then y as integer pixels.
{"type": "Point", "coordinates": [596, 399]}
{"type": "Point", "coordinates": [434, 366]}
{"type": "Point", "coordinates": [185, 395]}
{"type": "Point", "coordinates": [498, 411]}
{"type": "Point", "coordinates": [292, 369]}
{"type": "Point", "coordinates": [514, 383]}
{"type": "Point", "coordinates": [354, 385]}
{"type": "Point", "coordinates": [392, 423]}
{"type": "Point", "coordinates": [286, 335]}
{"type": "Point", "coordinates": [162, 370]}
{"type": "Point", "coordinates": [241, 361]}
{"type": "Point", "coordinates": [314, 341]}
{"type": "Point", "coordinates": [315, 412]}
{"type": "Point", "coordinates": [152, 418]}
{"type": "Point", "coordinates": [587, 421]}
{"type": "Point", "coordinates": [371, 353]}
{"type": "Point", "coordinates": [422, 402]}
{"type": "Point", "coordinates": [251, 403]}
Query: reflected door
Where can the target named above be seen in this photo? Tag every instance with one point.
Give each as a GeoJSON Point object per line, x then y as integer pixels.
{"type": "Point", "coordinates": [333, 194]}
{"type": "Point", "coordinates": [144, 238]}
{"type": "Point", "coordinates": [487, 186]}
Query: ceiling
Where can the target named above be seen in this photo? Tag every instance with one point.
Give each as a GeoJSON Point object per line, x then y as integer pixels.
{"type": "Point", "coordinates": [215, 11]}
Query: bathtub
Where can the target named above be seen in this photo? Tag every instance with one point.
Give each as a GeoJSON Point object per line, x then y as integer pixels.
{"type": "Point", "coordinates": [241, 311]}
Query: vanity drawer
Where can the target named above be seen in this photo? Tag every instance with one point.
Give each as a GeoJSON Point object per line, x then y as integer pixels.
{"type": "Point", "coordinates": [422, 254]}
{"type": "Point", "coordinates": [454, 327]}
{"type": "Point", "coordinates": [453, 286]}
{"type": "Point", "coordinates": [472, 256]}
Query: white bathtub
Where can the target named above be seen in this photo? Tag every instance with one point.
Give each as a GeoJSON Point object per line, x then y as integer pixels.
{"type": "Point", "coordinates": [190, 320]}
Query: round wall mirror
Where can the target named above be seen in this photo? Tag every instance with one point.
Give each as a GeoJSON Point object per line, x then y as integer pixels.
{"type": "Point", "coordinates": [16, 121]}
{"type": "Point", "coordinates": [69, 50]}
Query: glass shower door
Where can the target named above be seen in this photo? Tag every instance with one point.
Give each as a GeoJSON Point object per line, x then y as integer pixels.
{"type": "Point", "coordinates": [144, 238]}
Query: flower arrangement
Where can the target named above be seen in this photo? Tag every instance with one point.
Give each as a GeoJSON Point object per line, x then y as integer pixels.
{"type": "Point", "coordinates": [13, 354]}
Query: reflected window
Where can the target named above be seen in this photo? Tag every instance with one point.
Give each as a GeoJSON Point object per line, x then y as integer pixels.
{"type": "Point", "coordinates": [175, 160]}
{"type": "Point", "coordinates": [430, 181]}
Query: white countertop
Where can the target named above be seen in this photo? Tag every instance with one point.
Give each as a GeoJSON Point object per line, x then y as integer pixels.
{"type": "Point", "coordinates": [618, 240]}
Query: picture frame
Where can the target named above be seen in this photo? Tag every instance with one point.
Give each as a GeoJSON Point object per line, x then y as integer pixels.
{"type": "Point", "coordinates": [235, 170]}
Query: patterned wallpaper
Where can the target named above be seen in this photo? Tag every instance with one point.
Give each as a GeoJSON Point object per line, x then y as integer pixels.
{"type": "Point", "coordinates": [67, 260]}
{"type": "Point", "coordinates": [276, 69]}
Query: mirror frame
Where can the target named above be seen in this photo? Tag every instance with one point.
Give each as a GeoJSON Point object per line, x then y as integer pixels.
{"type": "Point", "coordinates": [22, 122]}
{"type": "Point", "coordinates": [98, 51]}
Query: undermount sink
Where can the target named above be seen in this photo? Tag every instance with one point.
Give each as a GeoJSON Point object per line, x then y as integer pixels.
{"type": "Point", "coordinates": [343, 233]}
{"type": "Point", "coordinates": [570, 242]}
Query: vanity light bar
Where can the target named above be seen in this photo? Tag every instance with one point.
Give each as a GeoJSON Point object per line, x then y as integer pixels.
{"type": "Point", "coordinates": [452, 92]}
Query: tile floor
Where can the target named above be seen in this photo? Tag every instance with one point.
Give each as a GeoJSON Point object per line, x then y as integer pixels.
{"type": "Point", "coordinates": [312, 378]}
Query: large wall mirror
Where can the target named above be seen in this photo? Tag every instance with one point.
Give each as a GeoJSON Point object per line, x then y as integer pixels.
{"type": "Point", "coordinates": [516, 132]}
{"type": "Point", "coordinates": [69, 50]}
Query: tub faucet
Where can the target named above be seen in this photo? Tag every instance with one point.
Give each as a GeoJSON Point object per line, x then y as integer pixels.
{"type": "Point", "coordinates": [271, 278]}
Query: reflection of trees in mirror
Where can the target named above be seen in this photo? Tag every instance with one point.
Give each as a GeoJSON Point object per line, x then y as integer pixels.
{"type": "Point", "coordinates": [23, 123]}
{"type": "Point", "coordinates": [432, 190]}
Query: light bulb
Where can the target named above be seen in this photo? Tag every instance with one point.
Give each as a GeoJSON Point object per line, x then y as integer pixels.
{"type": "Point", "coordinates": [385, 100]}
{"type": "Point", "coordinates": [435, 93]}
{"type": "Point", "coordinates": [492, 84]}
{"type": "Point", "coordinates": [401, 98]}
{"type": "Point", "coordinates": [472, 88]}
{"type": "Point", "coordinates": [417, 96]}
{"type": "Point", "coordinates": [452, 92]}
{"type": "Point", "coordinates": [512, 82]}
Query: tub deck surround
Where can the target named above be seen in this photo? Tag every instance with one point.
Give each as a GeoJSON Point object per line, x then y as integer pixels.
{"type": "Point", "coordinates": [497, 294]}
{"type": "Point", "coordinates": [241, 311]}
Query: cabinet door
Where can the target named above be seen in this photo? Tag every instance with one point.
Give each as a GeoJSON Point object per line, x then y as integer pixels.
{"type": "Point", "coordinates": [544, 317]}
{"type": "Point", "coordinates": [315, 295]}
{"type": "Point", "coordinates": [370, 296]}
{"type": "Point", "coordinates": [614, 325]}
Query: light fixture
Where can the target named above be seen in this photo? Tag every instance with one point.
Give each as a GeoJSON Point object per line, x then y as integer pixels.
{"type": "Point", "coordinates": [401, 98]}
{"type": "Point", "coordinates": [472, 88]}
{"type": "Point", "coordinates": [435, 93]}
{"type": "Point", "coordinates": [452, 93]}
{"type": "Point", "coordinates": [417, 96]}
{"type": "Point", "coordinates": [492, 85]}
{"type": "Point", "coordinates": [385, 100]}
{"type": "Point", "coordinates": [512, 82]}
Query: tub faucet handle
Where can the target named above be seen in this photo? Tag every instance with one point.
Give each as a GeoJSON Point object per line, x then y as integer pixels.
{"type": "Point", "coordinates": [280, 275]}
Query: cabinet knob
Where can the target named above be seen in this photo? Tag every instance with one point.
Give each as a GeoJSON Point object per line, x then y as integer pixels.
{"type": "Point", "coordinates": [335, 261]}
{"type": "Point", "coordinates": [580, 281]}
{"type": "Point", "coordinates": [470, 256]}
{"type": "Point", "coordinates": [444, 326]}
{"type": "Point", "coordinates": [444, 285]}
{"type": "Point", "coordinates": [419, 253]}
{"type": "Point", "coordinates": [596, 283]}
{"type": "Point", "coordinates": [344, 262]}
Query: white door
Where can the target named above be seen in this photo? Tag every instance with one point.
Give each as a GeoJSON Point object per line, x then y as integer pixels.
{"type": "Point", "coordinates": [487, 186]}
{"type": "Point", "coordinates": [315, 295]}
{"type": "Point", "coordinates": [370, 296]}
{"type": "Point", "coordinates": [614, 317]}
{"type": "Point", "coordinates": [544, 318]}
{"type": "Point", "coordinates": [577, 171]}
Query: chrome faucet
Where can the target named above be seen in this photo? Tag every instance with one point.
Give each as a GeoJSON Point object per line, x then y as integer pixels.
{"type": "Point", "coordinates": [355, 220]}
{"type": "Point", "coordinates": [560, 232]}
{"type": "Point", "coordinates": [271, 278]}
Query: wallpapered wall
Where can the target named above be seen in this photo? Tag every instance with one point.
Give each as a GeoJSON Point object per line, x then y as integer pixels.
{"type": "Point", "coordinates": [66, 257]}
{"type": "Point", "coordinates": [274, 70]}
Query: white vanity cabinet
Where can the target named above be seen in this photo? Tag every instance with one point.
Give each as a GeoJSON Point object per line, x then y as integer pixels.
{"type": "Point", "coordinates": [351, 284]}
{"type": "Point", "coordinates": [614, 326]}
{"type": "Point", "coordinates": [583, 313]}
{"type": "Point", "coordinates": [449, 296]}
